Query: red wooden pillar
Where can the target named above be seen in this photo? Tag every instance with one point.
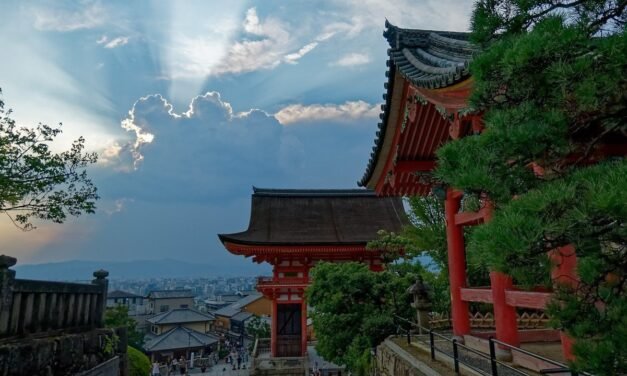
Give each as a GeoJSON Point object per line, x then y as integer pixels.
{"type": "Point", "coordinates": [303, 327]}
{"type": "Point", "coordinates": [456, 264]}
{"type": "Point", "coordinates": [275, 325]}
{"type": "Point", "coordinates": [564, 273]}
{"type": "Point", "coordinates": [504, 314]}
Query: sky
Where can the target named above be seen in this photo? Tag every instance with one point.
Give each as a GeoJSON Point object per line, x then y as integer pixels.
{"type": "Point", "coordinates": [190, 104]}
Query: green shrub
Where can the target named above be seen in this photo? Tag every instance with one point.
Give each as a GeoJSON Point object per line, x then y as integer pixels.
{"type": "Point", "coordinates": [138, 363]}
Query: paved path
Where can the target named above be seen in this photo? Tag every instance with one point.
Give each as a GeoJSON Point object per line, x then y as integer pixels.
{"type": "Point", "coordinates": [217, 370]}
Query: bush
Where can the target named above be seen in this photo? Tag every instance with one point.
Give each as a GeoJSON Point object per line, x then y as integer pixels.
{"type": "Point", "coordinates": [138, 363]}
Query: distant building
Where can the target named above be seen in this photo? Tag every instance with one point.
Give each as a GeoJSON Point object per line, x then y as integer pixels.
{"type": "Point", "coordinates": [135, 303]}
{"type": "Point", "coordinates": [255, 304]}
{"type": "Point", "coordinates": [165, 300]}
{"type": "Point", "coordinates": [214, 305]}
{"type": "Point", "coordinates": [187, 317]}
{"type": "Point", "coordinates": [180, 341]}
{"type": "Point", "coordinates": [178, 332]}
{"type": "Point", "coordinates": [238, 325]}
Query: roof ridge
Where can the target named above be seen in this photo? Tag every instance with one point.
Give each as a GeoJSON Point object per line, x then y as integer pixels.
{"type": "Point", "coordinates": [163, 336]}
{"type": "Point", "coordinates": [291, 192]}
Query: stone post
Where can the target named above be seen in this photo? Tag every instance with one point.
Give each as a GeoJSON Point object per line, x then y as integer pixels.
{"type": "Point", "coordinates": [122, 334]}
{"type": "Point", "coordinates": [103, 282]}
{"type": "Point", "coordinates": [7, 276]}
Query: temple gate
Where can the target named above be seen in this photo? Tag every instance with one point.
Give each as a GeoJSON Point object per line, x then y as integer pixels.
{"type": "Point", "coordinates": [293, 230]}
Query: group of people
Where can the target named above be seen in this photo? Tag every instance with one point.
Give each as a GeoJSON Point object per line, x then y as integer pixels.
{"type": "Point", "coordinates": [173, 365]}
{"type": "Point", "coordinates": [237, 358]}
{"type": "Point", "coordinates": [238, 355]}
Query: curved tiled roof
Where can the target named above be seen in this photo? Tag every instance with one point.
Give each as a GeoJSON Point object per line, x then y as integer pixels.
{"type": "Point", "coordinates": [427, 59]}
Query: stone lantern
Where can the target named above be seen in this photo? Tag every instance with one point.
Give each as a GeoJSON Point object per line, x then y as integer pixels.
{"type": "Point", "coordinates": [421, 302]}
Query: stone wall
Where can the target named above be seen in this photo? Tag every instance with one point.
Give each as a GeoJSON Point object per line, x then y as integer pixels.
{"type": "Point", "coordinates": [392, 360]}
{"type": "Point", "coordinates": [64, 354]}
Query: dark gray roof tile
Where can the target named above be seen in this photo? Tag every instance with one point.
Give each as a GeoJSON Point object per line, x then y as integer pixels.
{"type": "Point", "coordinates": [180, 316]}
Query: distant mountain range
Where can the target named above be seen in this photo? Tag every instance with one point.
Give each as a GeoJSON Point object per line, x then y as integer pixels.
{"type": "Point", "coordinates": [140, 269]}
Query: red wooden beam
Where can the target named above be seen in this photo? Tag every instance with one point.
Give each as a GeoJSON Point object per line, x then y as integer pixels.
{"type": "Point", "coordinates": [470, 218]}
{"type": "Point", "coordinates": [414, 166]}
{"type": "Point", "coordinates": [527, 299]}
{"type": "Point", "coordinates": [476, 295]}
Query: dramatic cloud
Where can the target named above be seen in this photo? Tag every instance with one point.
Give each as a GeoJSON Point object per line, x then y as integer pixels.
{"type": "Point", "coordinates": [352, 59]}
{"type": "Point", "coordinates": [208, 134]}
{"type": "Point", "coordinates": [113, 43]}
{"type": "Point", "coordinates": [348, 111]}
{"type": "Point", "coordinates": [62, 20]}
{"type": "Point", "coordinates": [264, 44]}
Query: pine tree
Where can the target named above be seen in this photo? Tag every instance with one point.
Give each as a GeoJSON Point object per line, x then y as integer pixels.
{"type": "Point", "coordinates": [551, 84]}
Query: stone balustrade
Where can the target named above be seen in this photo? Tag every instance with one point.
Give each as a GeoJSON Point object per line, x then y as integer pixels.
{"type": "Point", "coordinates": [30, 307]}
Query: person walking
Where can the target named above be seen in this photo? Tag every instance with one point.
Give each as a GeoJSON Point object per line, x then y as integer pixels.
{"type": "Point", "coordinates": [155, 369]}
{"type": "Point", "coordinates": [183, 366]}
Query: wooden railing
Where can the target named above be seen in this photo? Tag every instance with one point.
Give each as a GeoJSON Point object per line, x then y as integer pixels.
{"type": "Point", "coordinates": [282, 280]}
{"type": "Point", "coordinates": [534, 320]}
{"type": "Point", "coordinates": [29, 307]}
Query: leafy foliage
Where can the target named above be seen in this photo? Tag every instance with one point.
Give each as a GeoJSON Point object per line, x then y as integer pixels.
{"type": "Point", "coordinates": [258, 328]}
{"type": "Point", "coordinates": [551, 84]}
{"type": "Point", "coordinates": [354, 308]}
{"type": "Point", "coordinates": [117, 317]}
{"type": "Point", "coordinates": [37, 183]}
{"type": "Point", "coordinates": [138, 363]}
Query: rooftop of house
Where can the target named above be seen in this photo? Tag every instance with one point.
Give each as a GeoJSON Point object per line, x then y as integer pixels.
{"type": "Point", "coordinates": [235, 308]}
{"type": "Point", "coordinates": [180, 316]}
{"type": "Point", "coordinates": [116, 294]}
{"type": "Point", "coordinates": [179, 338]}
{"type": "Point", "coordinates": [242, 316]}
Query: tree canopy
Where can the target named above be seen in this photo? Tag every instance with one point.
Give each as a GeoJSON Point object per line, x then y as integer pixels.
{"type": "Point", "coordinates": [550, 81]}
{"type": "Point", "coordinates": [354, 308]}
{"type": "Point", "coordinates": [38, 183]}
{"type": "Point", "coordinates": [258, 328]}
{"type": "Point", "coordinates": [116, 317]}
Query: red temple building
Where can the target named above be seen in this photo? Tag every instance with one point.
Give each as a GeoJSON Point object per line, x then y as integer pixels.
{"type": "Point", "coordinates": [293, 230]}
{"type": "Point", "coordinates": [426, 106]}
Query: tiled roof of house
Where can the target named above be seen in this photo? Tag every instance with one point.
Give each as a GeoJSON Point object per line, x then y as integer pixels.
{"type": "Point", "coordinates": [180, 316]}
{"type": "Point", "coordinates": [235, 308]}
{"type": "Point", "coordinates": [242, 316]}
{"type": "Point", "coordinates": [122, 294]}
{"type": "Point", "coordinates": [178, 338]}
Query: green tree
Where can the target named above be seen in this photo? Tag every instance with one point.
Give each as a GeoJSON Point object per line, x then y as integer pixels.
{"type": "Point", "coordinates": [258, 328]}
{"type": "Point", "coordinates": [116, 317]}
{"type": "Point", "coordinates": [37, 183]}
{"type": "Point", "coordinates": [551, 83]}
{"type": "Point", "coordinates": [353, 309]}
{"type": "Point", "coordinates": [425, 238]}
{"type": "Point", "coordinates": [138, 362]}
